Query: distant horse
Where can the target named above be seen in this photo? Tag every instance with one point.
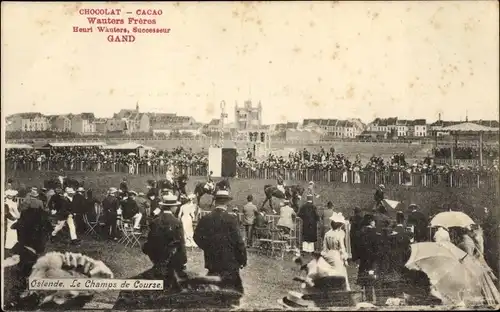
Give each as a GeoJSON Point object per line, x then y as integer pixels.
{"type": "Point", "coordinates": [200, 189]}
{"type": "Point", "coordinates": [62, 182]}
{"type": "Point", "coordinates": [292, 193]}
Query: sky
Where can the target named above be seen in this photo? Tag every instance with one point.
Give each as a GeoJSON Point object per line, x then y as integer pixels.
{"type": "Point", "coordinates": [300, 60]}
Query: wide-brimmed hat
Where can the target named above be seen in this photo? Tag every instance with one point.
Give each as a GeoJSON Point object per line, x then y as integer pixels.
{"type": "Point", "coordinates": [132, 193]}
{"type": "Point", "coordinates": [141, 194]}
{"type": "Point", "coordinates": [381, 186]}
{"type": "Point", "coordinates": [70, 190]}
{"type": "Point", "coordinates": [112, 190]}
{"type": "Point", "coordinates": [222, 195]}
{"type": "Point", "coordinates": [80, 189]}
{"type": "Point", "coordinates": [337, 217]}
{"type": "Point", "coordinates": [311, 183]}
{"type": "Point", "coordinates": [286, 201]}
{"type": "Point", "coordinates": [11, 193]}
{"type": "Point", "coordinates": [34, 192]}
{"type": "Point", "coordinates": [169, 200]}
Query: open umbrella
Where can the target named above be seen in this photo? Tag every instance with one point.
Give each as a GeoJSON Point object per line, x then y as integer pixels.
{"type": "Point", "coordinates": [451, 219]}
{"type": "Point", "coordinates": [454, 275]}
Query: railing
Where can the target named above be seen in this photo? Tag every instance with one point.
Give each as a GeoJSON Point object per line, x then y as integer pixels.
{"type": "Point", "coordinates": [296, 241]}
{"type": "Point", "coordinates": [467, 179]}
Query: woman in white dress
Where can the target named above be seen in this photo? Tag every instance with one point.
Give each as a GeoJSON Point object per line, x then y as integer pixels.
{"type": "Point", "coordinates": [187, 215]}
{"type": "Point", "coordinates": [334, 251]}
{"type": "Point", "coordinates": [12, 214]}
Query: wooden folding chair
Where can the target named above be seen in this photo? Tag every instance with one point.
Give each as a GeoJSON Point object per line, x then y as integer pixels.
{"type": "Point", "coordinates": [92, 225]}
{"type": "Point", "coordinates": [130, 235]}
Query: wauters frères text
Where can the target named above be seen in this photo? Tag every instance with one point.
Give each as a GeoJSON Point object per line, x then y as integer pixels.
{"type": "Point", "coordinates": [120, 26]}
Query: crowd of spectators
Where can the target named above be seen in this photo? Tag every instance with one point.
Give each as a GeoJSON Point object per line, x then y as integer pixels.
{"type": "Point", "coordinates": [489, 152]}
{"type": "Point", "coordinates": [181, 157]}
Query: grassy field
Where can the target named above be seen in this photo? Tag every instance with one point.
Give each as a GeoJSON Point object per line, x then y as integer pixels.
{"type": "Point", "coordinates": [265, 279]}
{"type": "Point", "coordinates": [344, 196]}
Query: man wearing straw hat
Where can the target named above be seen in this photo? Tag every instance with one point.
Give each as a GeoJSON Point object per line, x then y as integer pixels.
{"type": "Point", "coordinates": [218, 235]}
{"type": "Point", "coordinates": [165, 245]}
{"type": "Point", "coordinates": [32, 201]}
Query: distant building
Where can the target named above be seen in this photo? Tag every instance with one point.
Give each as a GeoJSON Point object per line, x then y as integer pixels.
{"type": "Point", "coordinates": [283, 127]}
{"type": "Point", "coordinates": [248, 117]}
{"type": "Point", "coordinates": [100, 125]}
{"type": "Point", "coordinates": [61, 123]}
{"type": "Point", "coordinates": [171, 122]}
{"type": "Point", "coordinates": [436, 128]}
{"type": "Point", "coordinates": [418, 128]}
{"type": "Point", "coordinates": [336, 128]}
{"type": "Point", "coordinates": [116, 125]}
{"type": "Point", "coordinates": [83, 123]}
{"type": "Point", "coordinates": [28, 122]}
{"type": "Point", "coordinates": [136, 121]}
{"type": "Point", "coordinates": [396, 127]}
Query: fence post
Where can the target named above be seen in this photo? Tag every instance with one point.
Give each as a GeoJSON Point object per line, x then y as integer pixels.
{"type": "Point", "coordinates": [399, 176]}
{"type": "Point", "coordinates": [478, 181]}
{"type": "Point", "coordinates": [329, 175]}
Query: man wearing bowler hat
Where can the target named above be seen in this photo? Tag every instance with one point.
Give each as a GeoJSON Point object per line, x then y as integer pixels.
{"type": "Point", "coordinates": [218, 235]}
{"type": "Point", "coordinates": [165, 245]}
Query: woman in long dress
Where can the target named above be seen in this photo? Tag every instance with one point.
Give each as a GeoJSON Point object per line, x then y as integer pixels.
{"type": "Point", "coordinates": [187, 215]}
{"type": "Point", "coordinates": [334, 251]}
{"type": "Point", "coordinates": [12, 215]}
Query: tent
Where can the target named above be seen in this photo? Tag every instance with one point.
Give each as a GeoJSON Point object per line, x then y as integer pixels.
{"type": "Point", "coordinates": [73, 144]}
{"type": "Point", "coordinates": [18, 146]}
{"type": "Point", "coordinates": [468, 127]}
{"type": "Point", "coordinates": [130, 147]}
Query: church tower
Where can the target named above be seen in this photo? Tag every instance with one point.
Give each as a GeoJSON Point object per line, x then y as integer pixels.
{"type": "Point", "coordinates": [137, 106]}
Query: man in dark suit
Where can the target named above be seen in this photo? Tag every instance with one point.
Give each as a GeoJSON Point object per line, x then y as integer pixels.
{"type": "Point", "coordinates": [218, 235]}
{"type": "Point", "coordinates": [310, 218]}
{"type": "Point", "coordinates": [419, 222]}
{"type": "Point", "coordinates": [165, 245]}
{"type": "Point", "coordinates": [379, 195]}
{"type": "Point", "coordinates": [79, 206]}
{"type": "Point", "coordinates": [368, 252]}
{"type": "Point", "coordinates": [131, 210]}
{"type": "Point", "coordinates": [355, 233]}
{"type": "Point", "coordinates": [110, 206]}
{"type": "Point", "coordinates": [65, 217]}
{"type": "Point", "coordinates": [123, 188]}
{"type": "Point", "coordinates": [33, 229]}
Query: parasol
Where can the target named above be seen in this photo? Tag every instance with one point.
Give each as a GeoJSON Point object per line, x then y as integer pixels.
{"type": "Point", "coordinates": [392, 204]}
{"type": "Point", "coordinates": [454, 275]}
{"type": "Point", "coordinates": [451, 219]}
